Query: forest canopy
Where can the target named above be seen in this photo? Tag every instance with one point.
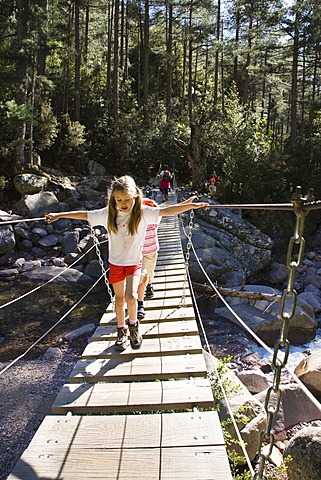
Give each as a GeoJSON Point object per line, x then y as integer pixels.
{"type": "Point", "coordinates": [228, 85]}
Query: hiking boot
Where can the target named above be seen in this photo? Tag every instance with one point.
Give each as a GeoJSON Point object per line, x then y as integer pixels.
{"type": "Point", "coordinates": [140, 312]}
{"type": "Point", "coordinates": [134, 336]}
{"type": "Point", "coordinates": [122, 339]}
{"type": "Point", "coordinates": [149, 293]}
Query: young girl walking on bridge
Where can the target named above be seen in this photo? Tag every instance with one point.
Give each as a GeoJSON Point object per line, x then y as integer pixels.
{"type": "Point", "coordinates": [125, 219]}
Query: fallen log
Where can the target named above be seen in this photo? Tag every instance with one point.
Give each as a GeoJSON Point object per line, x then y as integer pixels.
{"type": "Point", "coordinates": [226, 292]}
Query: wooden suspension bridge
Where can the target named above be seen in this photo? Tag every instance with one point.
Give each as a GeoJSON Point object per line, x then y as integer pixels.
{"type": "Point", "coordinates": [139, 414]}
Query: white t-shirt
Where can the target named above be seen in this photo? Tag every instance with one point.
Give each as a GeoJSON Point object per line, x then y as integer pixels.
{"type": "Point", "coordinates": [125, 249]}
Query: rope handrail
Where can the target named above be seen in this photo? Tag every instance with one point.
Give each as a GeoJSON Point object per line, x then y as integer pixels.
{"type": "Point", "coordinates": [253, 334]}
{"type": "Point", "coordinates": [22, 219]}
{"type": "Point", "coordinates": [50, 329]}
{"type": "Point", "coordinates": [51, 279]}
{"type": "Point", "coordinates": [231, 414]}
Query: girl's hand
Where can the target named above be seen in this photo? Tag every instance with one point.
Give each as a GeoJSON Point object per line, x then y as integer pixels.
{"type": "Point", "coordinates": [200, 205]}
{"type": "Point", "coordinates": [52, 217]}
{"type": "Point", "coordinates": [191, 199]}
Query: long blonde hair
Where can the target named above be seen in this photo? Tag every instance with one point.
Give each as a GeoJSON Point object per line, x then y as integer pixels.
{"type": "Point", "coordinates": [124, 184]}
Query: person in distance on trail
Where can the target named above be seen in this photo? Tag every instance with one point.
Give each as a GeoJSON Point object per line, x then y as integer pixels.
{"type": "Point", "coordinates": [165, 182]}
{"type": "Point", "coordinates": [150, 253]}
{"type": "Point", "coordinates": [126, 220]}
{"type": "Point", "coordinates": [212, 184]}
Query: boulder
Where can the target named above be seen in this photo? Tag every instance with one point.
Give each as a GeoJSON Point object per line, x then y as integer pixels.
{"type": "Point", "coordinates": [231, 250]}
{"type": "Point", "coordinates": [28, 183]}
{"type": "Point", "coordinates": [305, 451]}
{"type": "Point", "coordinates": [7, 240]}
{"type": "Point", "coordinates": [39, 204]}
{"type": "Point", "coordinates": [309, 372]}
{"type": "Point", "coordinates": [46, 274]}
{"type": "Point", "coordinates": [254, 380]}
{"type": "Point", "coordinates": [295, 407]}
{"type": "Point", "coordinates": [262, 316]}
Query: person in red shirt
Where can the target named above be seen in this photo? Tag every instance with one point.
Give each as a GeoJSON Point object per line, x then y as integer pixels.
{"type": "Point", "coordinates": [165, 182]}
{"type": "Point", "coordinates": [212, 184]}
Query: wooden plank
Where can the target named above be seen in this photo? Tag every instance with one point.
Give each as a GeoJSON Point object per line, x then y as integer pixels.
{"type": "Point", "coordinates": [150, 330]}
{"type": "Point", "coordinates": [85, 464]}
{"type": "Point", "coordinates": [126, 447]}
{"type": "Point", "coordinates": [150, 347]}
{"type": "Point", "coordinates": [81, 398]}
{"type": "Point", "coordinates": [195, 463]}
{"type": "Point", "coordinates": [166, 286]}
{"type": "Point", "coordinates": [182, 313]}
{"type": "Point", "coordinates": [121, 369]}
{"type": "Point", "coordinates": [114, 431]}
{"type": "Point", "coordinates": [161, 291]}
{"type": "Point", "coordinates": [179, 267]}
{"type": "Point", "coordinates": [169, 278]}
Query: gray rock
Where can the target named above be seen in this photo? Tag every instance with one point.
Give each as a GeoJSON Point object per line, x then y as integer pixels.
{"type": "Point", "coordinates": [22, 232]}
{"type": "Point", "coordinates": [7, 240]}
{"type": "Point", "coordinates": [254, 380]}
{"type": "Point", "coordinates": [305, 451]}
{"type": "Point", "coordinates": [70, 241]}
{"type": "Point", "coordinates": [93, 269]}
{"type": "Point", "coordinates": [309, 372]}
{"type": "Point", "coordinates": [85, 329]}
{"type": "Point", "coordinates": [52, 353]}
{"type": "Point", "coordinates": [44, 274]}
{"type": "Point", "coordinates": [10, 272]}
{"type": "Point", "coordinates": [95, 168]}
{"type": "Point", "coordinates": [262, 317]}
{"type": "Point", "coordinates": [278, 274]}
{"type": "Point", "coordinates": [39, 204]}
{"type": "Point", "coordinates": [49, 241]}
{"type": "Point", "coordinates": [295, 407]}
{"type": "Point", "coordinates": [27, 183]}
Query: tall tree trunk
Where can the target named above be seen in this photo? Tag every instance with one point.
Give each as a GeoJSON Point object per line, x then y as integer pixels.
{"type": "Point", "coordinates": [116, 62]}
{"type": "Point", "coordinates": [122, 36]}
{"type": "Point", "coordinates": [190, 68]}
{"type": "Point", "coordinates": [216, 71]}
{"type": "Point", "coordinates": [110, 15]}
{"type": "Point", "coordinates": [246, 86]}
{"type": "Point", "coordinates": [169, 72]}
{"type": "Point", "coordinates": [184, 71]}
{"type": "Point", "coordinates": [77, 61]}
{"type": "Point", "coordinates": [314, 87]}
{"type": "Point", "coordinates": [146, 60]}
{"type": "Point", "coordinates": [43, 40]}
{"type": "Point", "coordinates": [87, 17]}
{"type": "Point", "coordinates": [237, 38]}
{"type": "Point", "coordinates": [22, 73]}
{"type": "Point", "coordinates": [294, 82]}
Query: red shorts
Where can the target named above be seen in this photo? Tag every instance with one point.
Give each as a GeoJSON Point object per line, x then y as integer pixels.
{"type": "Point", "coordinates": [118, 273]}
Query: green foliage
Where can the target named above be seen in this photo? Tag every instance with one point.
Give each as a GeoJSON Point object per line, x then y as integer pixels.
{"type": "Point", "coordinates": [73, 140]}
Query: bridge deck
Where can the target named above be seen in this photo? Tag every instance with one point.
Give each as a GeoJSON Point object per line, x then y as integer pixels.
{"type": "Point", "coordinates": [115, 419]}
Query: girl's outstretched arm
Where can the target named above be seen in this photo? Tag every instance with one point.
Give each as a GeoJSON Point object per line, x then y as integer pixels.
{"type": "Point", "coordinates": [76, 215]}
{"type": "Point", "coordinates": [181, 207]}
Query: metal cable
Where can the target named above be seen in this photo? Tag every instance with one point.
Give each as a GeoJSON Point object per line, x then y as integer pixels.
{"type": "Point", "coordinates": [242, 444]}
{"type": "Point", "coordinates": [256, 338]}
{"type": "Point", "coordinates": [51, 279]}
{"type": "Point", "coordinates": [9, 222]}
{"type": "Point", "coordinates": [51, 328]}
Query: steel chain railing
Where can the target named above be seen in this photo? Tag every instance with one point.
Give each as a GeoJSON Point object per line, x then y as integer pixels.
{"type": "Point", "coordinates": [102, 266]}
{"type": "Point", "coordinates": [286, 313]}
{"type": "Point", "coordinates": [182, 302]}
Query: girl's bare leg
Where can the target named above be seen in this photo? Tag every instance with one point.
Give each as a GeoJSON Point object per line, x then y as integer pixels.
{"type": "Point", "coordinates": [119, 289]}
{"type": "Point", "coordinates": [132, 282]}
{"type": "Point", "coordinates": [142, 286]}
